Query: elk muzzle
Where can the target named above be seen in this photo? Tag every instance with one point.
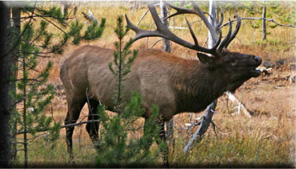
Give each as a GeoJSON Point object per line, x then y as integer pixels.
{"type": "Point", "coordinates": [255, 72]}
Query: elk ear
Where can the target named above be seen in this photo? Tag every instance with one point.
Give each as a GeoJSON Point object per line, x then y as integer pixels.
{"type": "Point", "coordinates": [205, 58]}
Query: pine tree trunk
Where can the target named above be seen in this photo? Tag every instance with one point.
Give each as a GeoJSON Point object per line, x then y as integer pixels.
{"type": "Point", "coordinates": [5, 64]}
{"type": "Point", "coordinates": [16, 14]}
{"type": "Point", "coordinates": [25, 114]}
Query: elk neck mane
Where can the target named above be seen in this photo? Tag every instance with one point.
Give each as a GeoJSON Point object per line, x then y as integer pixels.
{"type": "Point", "coordinates": [198, 86]}
{"type": "Point", "coordinates": [195, 84]}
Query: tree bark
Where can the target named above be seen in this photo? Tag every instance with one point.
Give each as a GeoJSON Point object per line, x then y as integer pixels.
{"type": "Point", "coordinates": [164, 13]}
{"type": "Point", "coordinates": [16, 14]}
{"type": "Point", "coordinates": [5, 64]}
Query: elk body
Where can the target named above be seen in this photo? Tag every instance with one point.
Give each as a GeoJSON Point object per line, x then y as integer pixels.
{"type": "Point", "coordinates": [174, 84]}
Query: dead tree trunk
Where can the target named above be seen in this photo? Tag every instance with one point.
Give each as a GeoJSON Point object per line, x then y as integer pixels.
{"type": "Point", "coordinates": [167, 48]}
{"type": "Point", "coordinates": [264, 22]}
{"type": "Point", "coordinates": [207, 118]}
{"type": "Point", "coordinates": [164, 13]}
{"type": "Point", "coordinates": [65, 7]}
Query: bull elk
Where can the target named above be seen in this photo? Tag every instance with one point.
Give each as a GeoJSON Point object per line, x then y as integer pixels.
{"type": "Point", "coordinates": [174, 84]}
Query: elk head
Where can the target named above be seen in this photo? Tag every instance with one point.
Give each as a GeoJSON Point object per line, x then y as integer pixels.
{"type": "Point", "coordinates": [238, 66]}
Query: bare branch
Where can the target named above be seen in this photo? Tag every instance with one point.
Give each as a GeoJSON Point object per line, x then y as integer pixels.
{"type": "Point", "coordinates": [254, 18]}
{"type": "Point", "coordinates": [241, 106]}
{"type": "Point", "coordinates": [15, 103]}
{"type": "Point", "coordinates": [52, 23]}
{"type": "Point", "coordinates": [142, 17]}
{"type": "Point", "coordinates": [64, 126]}
{"type": "Point", "coordinates": [156, 43]}
{"type": "Point", "coordinates": [250, 9]}
{"type": "Point", "coordinates": [90, 17]}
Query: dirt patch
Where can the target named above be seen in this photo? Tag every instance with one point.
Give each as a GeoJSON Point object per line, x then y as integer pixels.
{"type": "Point", "coordinates": [273, 95]}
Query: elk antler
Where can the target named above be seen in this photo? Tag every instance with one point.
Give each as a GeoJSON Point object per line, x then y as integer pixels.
{"type": "Point", "coordinates": [213, 29]}
{"type": "Point", "coordinates": [239, 20]}
{"type": "Point", "coordinates": [197, 11]}
{"type": "Point", "coordinates": [163, 31]}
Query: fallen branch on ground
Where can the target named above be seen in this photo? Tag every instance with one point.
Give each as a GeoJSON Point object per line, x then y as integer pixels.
{"type": "Point", "coordinates": [241, 106]}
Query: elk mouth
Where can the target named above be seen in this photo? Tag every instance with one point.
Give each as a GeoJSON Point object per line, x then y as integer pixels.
{"type": "Point", "coordinates": [255, 72]}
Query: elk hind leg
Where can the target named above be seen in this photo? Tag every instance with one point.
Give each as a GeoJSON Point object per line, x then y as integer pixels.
{"type": "Point", "coordinates": [74, 108]}
{"type": "Point", "coordinates": [93, 127]}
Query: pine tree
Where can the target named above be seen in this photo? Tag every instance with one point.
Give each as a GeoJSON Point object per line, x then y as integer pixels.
{"type": "Point", "coordinates": [34, 92]}
{"type": "Point", "coordinates": [5, 62]}
{"type": "Point", "coordinates": [114, 148]}
{"type": "Point", "coordinates": [122, 60]}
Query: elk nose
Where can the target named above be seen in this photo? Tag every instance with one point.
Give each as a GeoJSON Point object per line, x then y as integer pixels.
{"type": "Point", "coordinates": [258, 59]}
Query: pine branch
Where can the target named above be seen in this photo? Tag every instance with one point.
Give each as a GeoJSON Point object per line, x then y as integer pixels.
{"type": "Point", "coordinates": [55, 25]}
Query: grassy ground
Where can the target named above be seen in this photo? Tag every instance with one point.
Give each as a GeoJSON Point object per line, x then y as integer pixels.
{"type": "Point", "coordinates": [266, 139]}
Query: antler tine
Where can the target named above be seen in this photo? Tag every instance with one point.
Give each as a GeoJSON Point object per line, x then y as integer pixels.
{"type": "Point", "coordinates": [197, 11]}
{"type": "Point", "coordinates": [218, 43]}
{"type": "Point", "coordinates": [206, 21]}
{"type": "Point", "coordinates": [226, 39]}
{"type": "Point", "coordinates": [180, 11]}
{"type": "Point", "coordinates": [169, 35]}
{"type": "Point", "coordinates": [235, 31]}
{"type": "Point", "coordinates": [161, 31]}
{"type": "Point", "coordinates": [213, 49]}
{"type": "Point", "coordinates": [220, 21]}
{"type": "Point", "coordinates": [140, 33]}
{"type": "Point", "coordinates": [192, 33]}
{"type": "Point", "coordinates": [165, 32]}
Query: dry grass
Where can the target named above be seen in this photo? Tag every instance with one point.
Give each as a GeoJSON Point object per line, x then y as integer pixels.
{"type": "Point", "coordinates": [266, 139]}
